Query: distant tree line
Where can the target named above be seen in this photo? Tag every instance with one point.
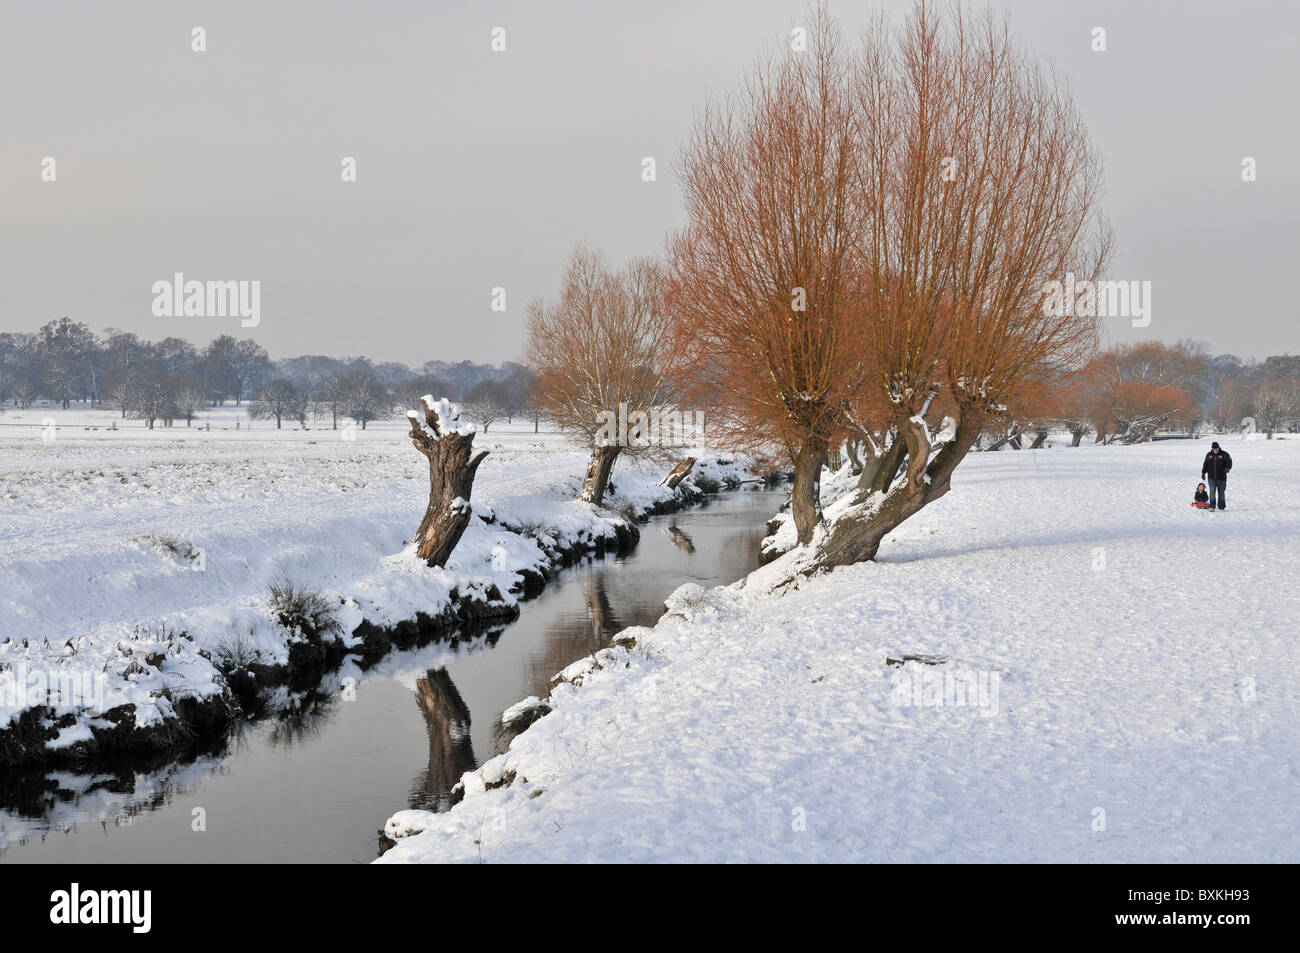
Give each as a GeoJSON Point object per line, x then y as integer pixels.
{"type": "Point", "coordinates": [1130, 393]}
{"type": "Point", "coordinates": [66, 363]}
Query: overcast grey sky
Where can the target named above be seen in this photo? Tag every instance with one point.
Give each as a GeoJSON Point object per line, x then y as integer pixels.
{"type": "Point", "coordinates": [478, 169]}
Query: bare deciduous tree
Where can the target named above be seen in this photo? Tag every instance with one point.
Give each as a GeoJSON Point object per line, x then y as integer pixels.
{"type": "Point", "coordinates": [598, 349]}
{"type": "Point", "coordinates": [363, 398]}
{"type": "Point", "coordinates": [237, 364]}
{"type": "Point", "coordinates": [923, 198]}
{"type": "Point", "coordinates": [1276, 402]}
{"type": "Point", "coordinates": [331, 398]}
{"type": "Point", "coordinates": [1135, 389]}
{"type": "Point", "coordinates": [152, 399]}
{"type": "Point", "coordinates": [486, 403]}
{"type": "Point", "coordinates": [760, 274]}
{"type": "Point", "coordinates": [1140, 408]}
{"type": "Point", "coordinates": [982, 186]}
{"type": "Point", "coordinates": [278, 399]}
{"type": "Point", "coordinates": [189, 397]}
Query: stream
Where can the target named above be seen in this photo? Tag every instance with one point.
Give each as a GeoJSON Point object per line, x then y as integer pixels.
{"type": "Point", "coordinates": [316, 788]}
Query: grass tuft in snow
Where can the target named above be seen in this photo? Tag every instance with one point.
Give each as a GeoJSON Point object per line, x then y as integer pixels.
{"type": "Point", "coordinates": [299, 607]}
{"type": "Point", "coordinates": [235, 654]}
{"type": "Point", "coordinates": [532, 528]}
{"type": "Point", "coordinates": [176, 547]}
{"type": "Point", "coordinates": [626, 510]}
{"type": "Point", "coordinates": [705, 483]}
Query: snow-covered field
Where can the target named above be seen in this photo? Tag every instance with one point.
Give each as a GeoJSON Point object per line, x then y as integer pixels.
{"type": "Point", "coordinates": [1119, 682]}
{"type": "Point", "coordinates": [114, 541]}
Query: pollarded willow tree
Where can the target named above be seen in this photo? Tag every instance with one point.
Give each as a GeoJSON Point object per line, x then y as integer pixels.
{"type": "Point", "coordinates": [598, 350]}
{"type": "Point", "coordinates": [436, 431]}
{"type": "Point", "coordinates": [760, 277]}
{"type": "Point", "coordinates": [943, 178]}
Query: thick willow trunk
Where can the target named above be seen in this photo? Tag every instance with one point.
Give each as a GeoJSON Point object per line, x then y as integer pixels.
{"type": "Point", "coordinates": [855, 536]}
{"type": "Point", "coordinates": [598, 471]}
{"type": "Point", "coordinates": [449, 449]}
{"type": "Point", "coordinates": [805, 495]}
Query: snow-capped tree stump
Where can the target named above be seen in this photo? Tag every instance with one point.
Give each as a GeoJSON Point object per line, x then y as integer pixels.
{"type": "Point", "coordinates": [678, 473]}
{"type": "Point", "coordinates": [448, 445]}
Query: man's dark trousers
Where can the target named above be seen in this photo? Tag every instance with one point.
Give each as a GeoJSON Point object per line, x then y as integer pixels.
{"type": "Point", "coordinates": [1217, 487]}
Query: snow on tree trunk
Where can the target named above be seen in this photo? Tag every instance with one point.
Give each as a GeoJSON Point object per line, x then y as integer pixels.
{"type": "Point", "coordinates": [879, 471]}
{"type": "Point", "coordinates": [856, 534]}
{"type": "Point", "coordinates": [678, 473]}
{"type": "Point", "coordinates": [449, 446]}
{"type": "Point", "coordinates": [598, 471]}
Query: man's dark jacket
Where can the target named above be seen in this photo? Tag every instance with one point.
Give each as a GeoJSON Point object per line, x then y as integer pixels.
{"type": "Point", "coordinates": [1216, 465]}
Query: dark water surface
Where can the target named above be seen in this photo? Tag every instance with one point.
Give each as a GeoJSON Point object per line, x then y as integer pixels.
{"type": "Point", "coordinates": [317, 789]}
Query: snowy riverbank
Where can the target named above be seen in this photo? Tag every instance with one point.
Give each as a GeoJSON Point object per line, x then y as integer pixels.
{"type": "Point", "coordinates": [136, 561]}
{"type": "Point", "coordinates": [1117, 681]}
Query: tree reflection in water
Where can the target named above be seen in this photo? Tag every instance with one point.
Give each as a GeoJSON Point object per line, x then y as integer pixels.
{"type": "Point", "coordinates": [451, 750]}
{"type": "Point", "coordinates": [571, 629]}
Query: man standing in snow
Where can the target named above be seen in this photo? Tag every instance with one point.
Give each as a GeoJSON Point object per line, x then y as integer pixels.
{"type": "Point", "coordinates": [1214, 471]}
